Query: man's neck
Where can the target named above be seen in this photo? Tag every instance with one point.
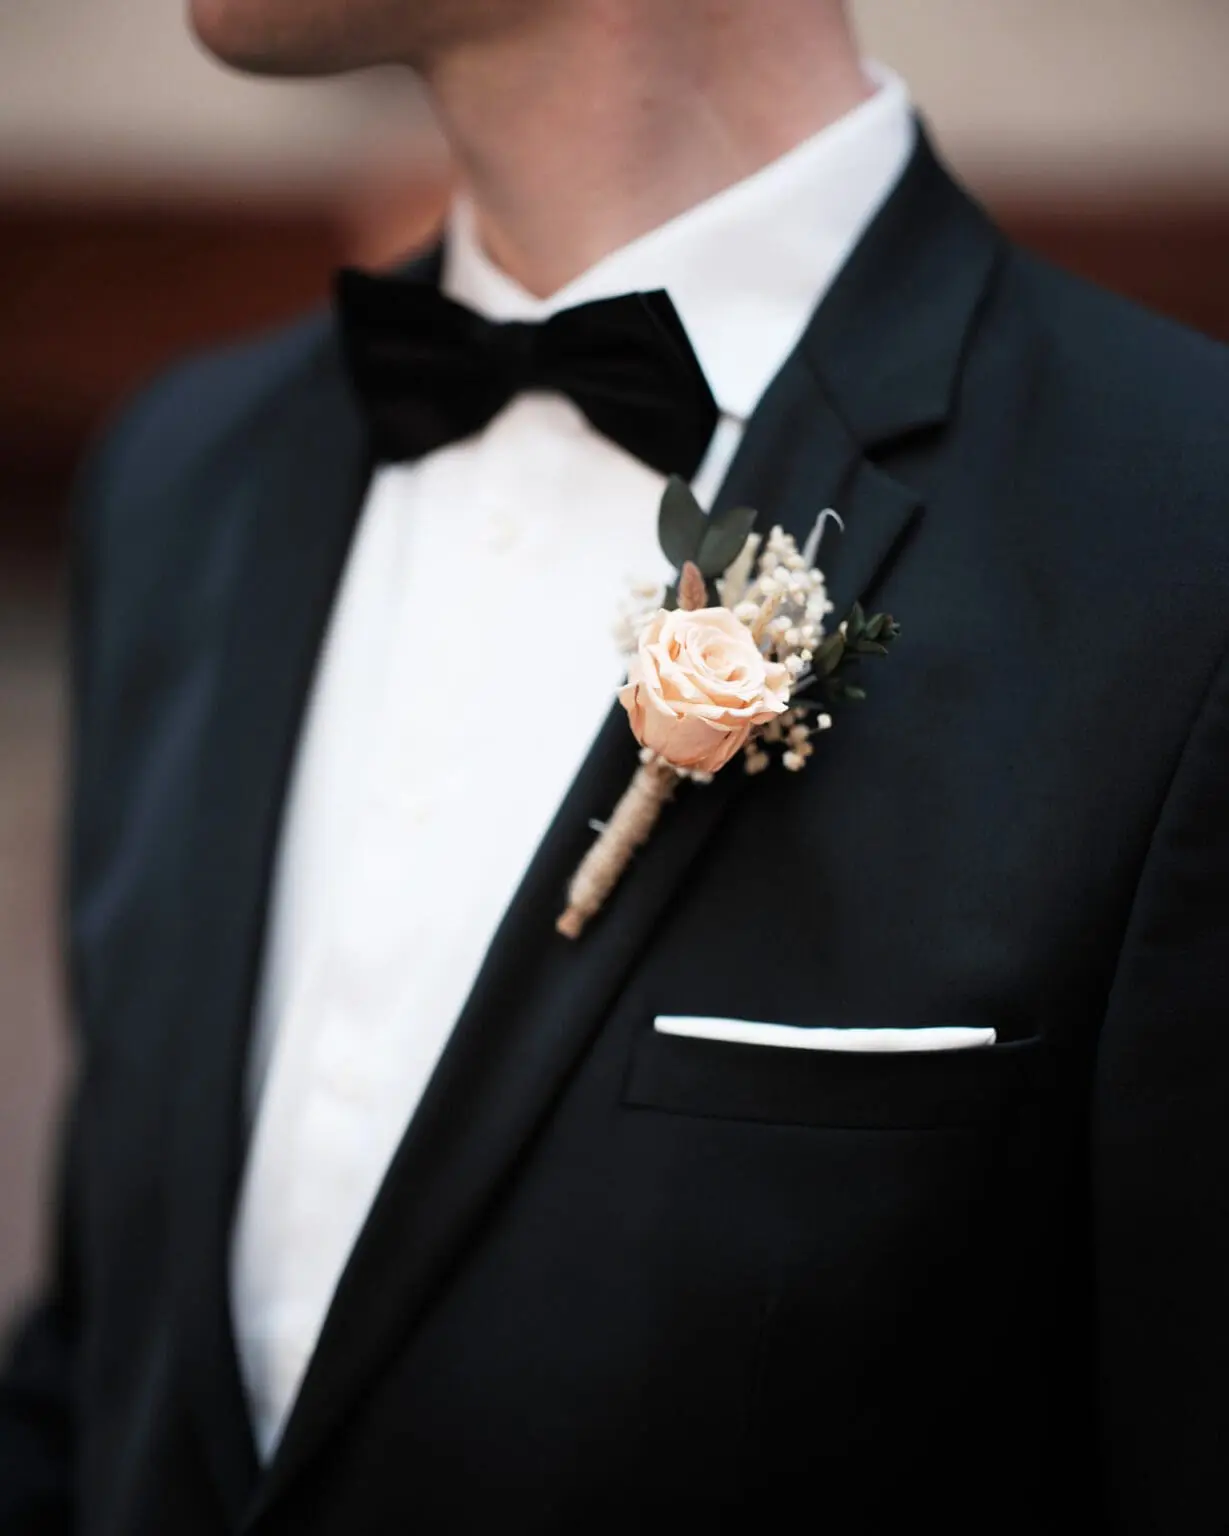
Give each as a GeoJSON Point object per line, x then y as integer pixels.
{"type": "Point", "coordinates": [614, 116]}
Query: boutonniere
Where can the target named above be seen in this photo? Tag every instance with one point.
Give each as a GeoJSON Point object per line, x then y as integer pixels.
{"type": "Point", "coordinates": [732, 660]}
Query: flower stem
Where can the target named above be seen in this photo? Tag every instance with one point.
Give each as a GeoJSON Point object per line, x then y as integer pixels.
{"type": "Point", "coordinates": [629, 827]}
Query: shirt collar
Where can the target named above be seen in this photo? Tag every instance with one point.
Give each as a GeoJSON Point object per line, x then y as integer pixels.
{"type": "Point", "coordinates": [746, 268]}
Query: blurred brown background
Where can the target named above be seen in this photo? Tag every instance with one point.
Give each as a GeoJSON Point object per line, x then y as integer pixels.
{"type": "Point", "coordinates": [150, 203]}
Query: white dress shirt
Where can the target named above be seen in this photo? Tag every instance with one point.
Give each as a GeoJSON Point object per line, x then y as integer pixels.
{"type": "Point", "coordinates": [430, 765]}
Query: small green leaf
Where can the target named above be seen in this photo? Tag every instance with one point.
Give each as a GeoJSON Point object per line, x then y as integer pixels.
{"type": "Point", "coordinates": [831, 650]}
{"type": "Point", "coordinates": [886, 628]}
{"type": "Point", "coordinates": [680, 523]}
{"type": "Point", "coordinates": [870, 648]}
{"type": "Point", "coordinates": [731, 518]}
{"type": "Point", "coordinates": [857, 694]}
{"type": "Point", "coordinates": [723, 539]}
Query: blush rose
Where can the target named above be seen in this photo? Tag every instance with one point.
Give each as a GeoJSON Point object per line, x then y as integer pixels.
{"type": "Point", "coordinates": [698, 686]}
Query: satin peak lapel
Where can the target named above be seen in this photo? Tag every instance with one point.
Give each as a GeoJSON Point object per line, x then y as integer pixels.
{"type": "Point", "coordinates": [880, 361]}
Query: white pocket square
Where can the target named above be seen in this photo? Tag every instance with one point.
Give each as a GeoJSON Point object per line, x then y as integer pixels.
{"type": "Point", "coordinates": [744, 1032]}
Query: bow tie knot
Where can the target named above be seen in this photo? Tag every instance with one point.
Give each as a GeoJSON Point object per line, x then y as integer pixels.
{"type": "Point", "coordinates": [515, 355]}
{"type": "Point", "coordinates": [431, 372]}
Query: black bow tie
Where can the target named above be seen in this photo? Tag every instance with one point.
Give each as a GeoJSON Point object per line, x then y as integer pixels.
{"type": "Point", "coordinates": [431, 372]}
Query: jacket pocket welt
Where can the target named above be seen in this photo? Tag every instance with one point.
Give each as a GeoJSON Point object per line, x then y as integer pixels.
{"type": "Point", "coordinates": [860, 1090]}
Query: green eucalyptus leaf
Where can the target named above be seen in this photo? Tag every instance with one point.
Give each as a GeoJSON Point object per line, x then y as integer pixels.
{"type": "Point", "coordinates": [680, 523]}
{"type": "Point", "coordinates": [733, 517]}
{"type": "Point", "coordinates": [870, 648]}
{"type": "Point", "coordinates": [831, 650]}
{"type": "Point", "coordinates": [723, 539]}
{"type": "Point", "coordinates": [857, 694]}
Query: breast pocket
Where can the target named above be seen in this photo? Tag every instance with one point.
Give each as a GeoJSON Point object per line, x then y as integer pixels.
{"type": "Point", "coordinates": [847, 1082]}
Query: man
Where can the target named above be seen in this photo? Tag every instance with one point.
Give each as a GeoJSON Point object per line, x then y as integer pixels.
{"type": "Point", "coordinates": [387, 1208]}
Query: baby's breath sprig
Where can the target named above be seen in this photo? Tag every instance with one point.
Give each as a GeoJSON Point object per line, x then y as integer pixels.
{"type": "Point", "coordinates": [780, 595]}
{"type": "Point", "coordinates": [826, 676]}
{"type": "Point", "coordinates": [784, 604]}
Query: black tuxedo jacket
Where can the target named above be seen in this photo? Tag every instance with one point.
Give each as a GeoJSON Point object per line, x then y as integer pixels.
{"type": "Point", "coordinates": [615, 1278]}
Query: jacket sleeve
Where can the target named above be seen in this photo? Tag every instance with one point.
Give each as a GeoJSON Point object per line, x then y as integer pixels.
{"type": "Point", "coordinates": [39, 1361]}
{"type": "Point", "coordinates": [37, 1398]}
{"type": "Point", "coordinates": [1160, 1164]}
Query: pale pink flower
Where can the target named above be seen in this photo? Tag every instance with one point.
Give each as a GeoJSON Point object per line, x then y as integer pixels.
{"type": "Point", "coordinates": [698, 686]}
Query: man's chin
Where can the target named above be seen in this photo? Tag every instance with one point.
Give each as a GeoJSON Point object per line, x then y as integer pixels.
{"type": "Point", "coordinates": [259, 46]}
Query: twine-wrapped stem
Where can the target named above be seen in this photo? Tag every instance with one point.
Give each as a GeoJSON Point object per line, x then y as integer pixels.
{"type": "Point", "coordinates": [634, 817]}
{"type": "Point", "coordinates": [629, 827]}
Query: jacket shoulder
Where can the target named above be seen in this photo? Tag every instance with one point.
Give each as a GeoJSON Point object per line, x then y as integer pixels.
{"type": "Point", "coordinates": [203, 401]}
{"type": "Point", "coordinates": [142, 507]}
{"type": "Point", "coordinates": [1099, 428]}
{"type": "Point", "coordinates": [1136, 362]}
{"type": "Point", "coordinates": [155, 521]}
{"type": "Point", "coordinates": [1118, 417]}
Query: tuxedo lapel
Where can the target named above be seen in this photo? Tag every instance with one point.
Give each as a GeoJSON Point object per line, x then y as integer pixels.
{"type": "Point", "coordinates": [880, 360]}
{"type": "Point", "coordinates": [294, 495]}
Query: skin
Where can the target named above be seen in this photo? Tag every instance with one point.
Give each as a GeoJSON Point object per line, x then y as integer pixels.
{"type": "Point", "coordinates": [576, 125]}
